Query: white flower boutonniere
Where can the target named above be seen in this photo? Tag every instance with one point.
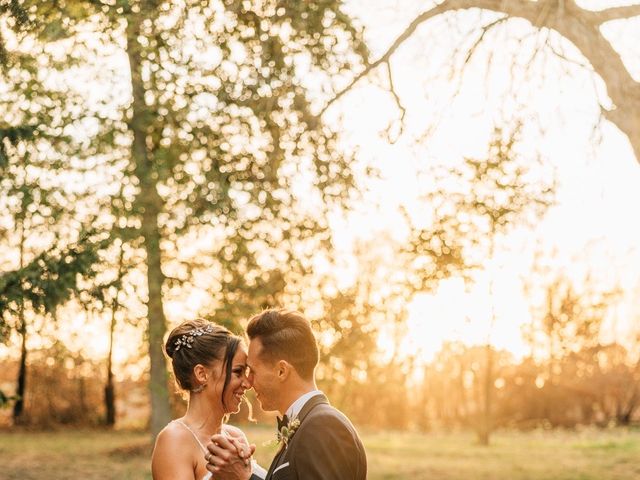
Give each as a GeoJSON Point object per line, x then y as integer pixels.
{"type": "Point", "coordinates": [287, 431]}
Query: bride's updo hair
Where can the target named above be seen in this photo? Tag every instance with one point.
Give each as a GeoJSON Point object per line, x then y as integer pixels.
{"type": "Point", "coordinates": [196, 342]}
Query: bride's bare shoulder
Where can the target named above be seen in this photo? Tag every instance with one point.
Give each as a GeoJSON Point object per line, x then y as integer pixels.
{"type": "Point", "coordinates": [174, 455]}
{"type": "Point", "coordinates": [173, 434]}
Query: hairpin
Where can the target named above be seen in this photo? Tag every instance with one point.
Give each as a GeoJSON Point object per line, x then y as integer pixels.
{"type": "Point", "coordinates": [186, 339]}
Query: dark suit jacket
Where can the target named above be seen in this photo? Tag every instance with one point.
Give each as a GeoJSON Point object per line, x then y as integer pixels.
{"type": "Point", "coordinates": [325, 446]}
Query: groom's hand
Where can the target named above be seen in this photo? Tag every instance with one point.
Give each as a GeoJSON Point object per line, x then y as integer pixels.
{"type": "Point", "coordinates": [229, 459]}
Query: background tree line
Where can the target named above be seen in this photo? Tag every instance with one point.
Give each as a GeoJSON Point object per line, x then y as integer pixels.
{"type": "Point", "coordinates": [570, 379]}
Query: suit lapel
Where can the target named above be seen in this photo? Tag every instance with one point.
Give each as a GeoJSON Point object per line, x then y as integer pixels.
{"type": "Point", "coordinates": [311, 404]}
{"type": "Point", "coordinates": [306, 409]}
{"type": "Point", "coordinates": [276, 462]}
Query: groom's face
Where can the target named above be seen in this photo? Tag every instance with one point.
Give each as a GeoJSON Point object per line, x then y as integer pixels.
{"type": "Point", "coordinates": [263, 376]}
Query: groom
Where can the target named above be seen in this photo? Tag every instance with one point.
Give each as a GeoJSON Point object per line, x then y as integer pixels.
{"type": "Point", "coordinates": [317, 442]}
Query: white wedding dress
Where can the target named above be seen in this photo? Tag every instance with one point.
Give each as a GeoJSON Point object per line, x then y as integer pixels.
{"type": "Point", "coordinates": [255, 468]}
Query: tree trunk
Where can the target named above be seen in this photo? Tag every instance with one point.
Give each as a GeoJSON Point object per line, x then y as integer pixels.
{"type": "Point", "coordinates": [18, 407]}
{"type": "Point", "coordinates": [150, 204]}
{"type": "Point", "coordinates": [626, 411]}
{"type": "Point", "coordinates": [82, 395]}
{"type": "Point", "coordinates": [110, 398]}
{"type": "Point", "coordinates": [486, 424]}
{"type": "Point", "coordinates": [109, 389]}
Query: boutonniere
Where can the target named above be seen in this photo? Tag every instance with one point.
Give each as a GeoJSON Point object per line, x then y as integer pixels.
{"type": "Point", "coordinates": [286, 431]}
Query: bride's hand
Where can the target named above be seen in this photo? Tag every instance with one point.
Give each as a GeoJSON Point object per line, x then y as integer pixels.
{"type": "Point", "coordinates": [239, 440]}
{"type": "Point", "coordinates": [245, 451]}
{"type": "Point", "coordinates": [225, 461]}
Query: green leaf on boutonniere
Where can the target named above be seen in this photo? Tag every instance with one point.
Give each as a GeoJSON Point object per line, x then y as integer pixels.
{"type": "Point", "coordinates": [287, 431]}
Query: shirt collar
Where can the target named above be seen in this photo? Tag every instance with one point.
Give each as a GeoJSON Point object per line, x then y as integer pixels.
{"type": "Point", "coordinates": [296, 406]}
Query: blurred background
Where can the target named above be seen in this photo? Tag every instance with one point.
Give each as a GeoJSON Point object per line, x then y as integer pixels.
{"type": "Point", "coordinates": [446, 189]}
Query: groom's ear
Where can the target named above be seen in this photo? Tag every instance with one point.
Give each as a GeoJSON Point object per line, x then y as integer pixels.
{"type": "Point", "coordinates": [283, 369]}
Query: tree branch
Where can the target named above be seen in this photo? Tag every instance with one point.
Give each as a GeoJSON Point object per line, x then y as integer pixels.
{"type": "Point", "coordinates": [576, 24]}
{"type": "Point", "coordinates": [396, 98]}
{"type": "Point", "coordinates": [615, 13]}
{"type": "Point", "coordinates": [527, 8]}
{"type": "Point", "coordinates": [480, 38]}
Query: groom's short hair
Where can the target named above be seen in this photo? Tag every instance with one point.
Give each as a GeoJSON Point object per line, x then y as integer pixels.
{"type": "Point", "coordinates": [286, 335]}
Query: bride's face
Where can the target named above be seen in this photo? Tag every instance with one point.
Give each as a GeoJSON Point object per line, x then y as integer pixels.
{"type": "Point", "coordinates": [238, 383]}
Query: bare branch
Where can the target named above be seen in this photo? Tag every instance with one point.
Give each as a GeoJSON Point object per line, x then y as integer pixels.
{"type": "Point", "coordinates": [390, 51]}
{"type": "Point", "coordinates": [559, 52]}
{"type": "Point", "coordinates": [576, 24]}
{"type": "Point", "coordinates": [392, 90]}
{"type": "Point", "coordinates": [616, 13]}
{"type": "Point", "coordinates": [483, 32]}
{"type": "Point", "coordinates": [525, 8]}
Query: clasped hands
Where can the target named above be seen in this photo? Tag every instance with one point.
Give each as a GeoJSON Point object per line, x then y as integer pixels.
{"type": "Point", "coordinates": [229, 458]}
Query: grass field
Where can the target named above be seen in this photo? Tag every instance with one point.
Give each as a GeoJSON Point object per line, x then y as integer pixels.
{"type": "Point", "coordinates": [587, 455]}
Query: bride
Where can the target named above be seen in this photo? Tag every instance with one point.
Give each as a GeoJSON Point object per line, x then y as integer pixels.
{"type": "Point", "coordinates": [209, 363]}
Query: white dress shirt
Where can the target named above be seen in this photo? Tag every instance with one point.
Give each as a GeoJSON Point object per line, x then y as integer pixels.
{"type": "Point", "coordinates": [294, 409]}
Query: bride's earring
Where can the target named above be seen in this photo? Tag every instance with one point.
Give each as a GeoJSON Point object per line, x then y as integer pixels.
{"type": "Point", "coordinates": [199, 388]}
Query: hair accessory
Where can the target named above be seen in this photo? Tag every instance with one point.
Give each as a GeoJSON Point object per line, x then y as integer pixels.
{"type": "Point", "coordinates": [186, 339]}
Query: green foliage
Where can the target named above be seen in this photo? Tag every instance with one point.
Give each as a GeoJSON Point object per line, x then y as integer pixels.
{"type": "Point", "coordinates": [39, 174]}
{"type": "Point", "coordinates": [572, 319]}
{"type": "Point", "coordinates": [54, 21]}
{"type": "Point", "coordinates": [226, 116]}
{"type": "Point", "coordinates": [438, 251]}
{"type": "Point", "coordinates": [474, 205]}
{"type": "Point", "coordinates": [504, 189]}
{"type": "Point", "coordinates": [214, 136]}
{"type": "Point", "coordinates": [6, 400]}
{"type": "Point", "coordinates": [15, 10]}
{"type": "Point", "coordinates": [50, 279]}
{"type": "Point", "coordinates": [17, 19]}
{"type": "Point", "coordinates": [11, 136]}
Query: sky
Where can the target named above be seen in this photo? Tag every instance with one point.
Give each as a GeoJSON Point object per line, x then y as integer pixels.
{"type": "Point", "coordinates": [592, 228]}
